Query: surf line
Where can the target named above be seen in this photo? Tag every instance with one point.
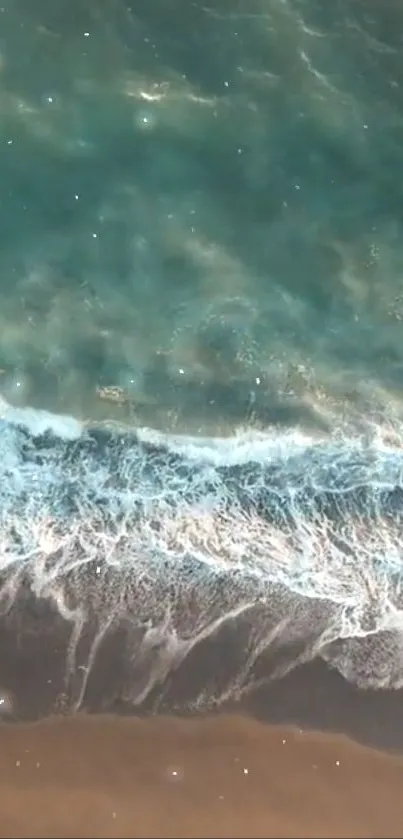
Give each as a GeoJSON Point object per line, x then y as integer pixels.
{"type": "Point", "coordinates": [128, 556]}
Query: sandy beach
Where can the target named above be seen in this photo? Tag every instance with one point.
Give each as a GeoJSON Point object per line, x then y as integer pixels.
{"type": "Point", "coordinates": [218, 777]}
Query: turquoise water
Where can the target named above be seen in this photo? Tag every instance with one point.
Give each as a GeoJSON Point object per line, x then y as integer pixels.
{"type": "Point", "coordinates": [201, 230]}
{"type": "Point", "coordinates": [201, 210]}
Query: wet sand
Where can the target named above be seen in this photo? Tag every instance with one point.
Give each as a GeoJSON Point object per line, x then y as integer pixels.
{"type": "Point", "coordinates": [217, 777]}
{"type": "Point", "coordinates": [309, 755]}
{"type": "Point", "coordinates": [263, 771]}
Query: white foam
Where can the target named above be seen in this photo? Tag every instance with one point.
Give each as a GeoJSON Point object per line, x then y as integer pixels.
{"type": "Point", "coordinates": [192, 544]}
{"type": "Point", "coordinates": [38, 421]}
{"type": "Point", "coordinates": [241, 447]}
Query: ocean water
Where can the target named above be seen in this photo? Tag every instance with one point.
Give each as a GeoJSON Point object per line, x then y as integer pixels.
{"type": "Point", "coordinates": [201, 250]}
{"type": "Point", "coordinates": [200, 212]}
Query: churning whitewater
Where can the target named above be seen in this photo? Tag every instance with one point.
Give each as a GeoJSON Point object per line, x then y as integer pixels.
{"type": "Point", "coordinates": [289, 546]}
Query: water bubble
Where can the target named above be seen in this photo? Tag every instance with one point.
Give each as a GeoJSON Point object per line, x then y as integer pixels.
{"type": "Point", "coordinates": [48, 98]}
{"type": "Point", "coordinates": [15, 387]}
{"type": "Point", "coordinates": [145, 119]}
{"type": "Point", "coordinates": [174, 774]}
{"type": "Point", "coordinates": [7, 703]}
{"type": "Point", "coordinates": [132, 380]}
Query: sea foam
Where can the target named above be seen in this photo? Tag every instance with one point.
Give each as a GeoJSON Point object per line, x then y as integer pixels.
{"type": "Point", "coordinates": [279, 546]}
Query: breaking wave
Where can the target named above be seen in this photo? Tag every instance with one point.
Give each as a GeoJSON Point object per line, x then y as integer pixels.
{"type": "Point", "coordinates": [264, 550]}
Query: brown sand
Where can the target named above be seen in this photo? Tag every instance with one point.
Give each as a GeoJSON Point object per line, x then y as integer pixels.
{"type": "Point", "coordinates": [219, 777]}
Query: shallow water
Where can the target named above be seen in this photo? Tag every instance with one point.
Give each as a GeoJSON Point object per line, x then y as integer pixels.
{"type": "Point", "coordinates": [202, 244]}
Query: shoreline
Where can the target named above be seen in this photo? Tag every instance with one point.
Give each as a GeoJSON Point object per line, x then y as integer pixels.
{"type": "Point", "coordinates": [35, 684]}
